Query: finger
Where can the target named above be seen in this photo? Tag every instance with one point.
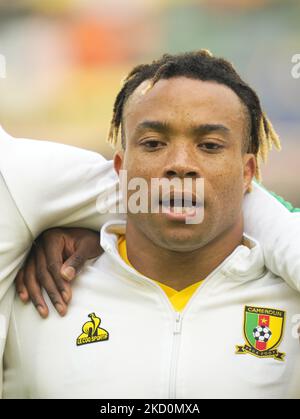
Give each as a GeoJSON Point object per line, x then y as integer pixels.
{"type": "Point", "coordinates": [51, 258]}
{"type": "Point", "coordinates": [80, 245]}
{"type": "Point", "coordinates": [20, 287]}
{"type": "Point", "coordinates": [44, 273]}
{"type": "Point", "coordinates": [54, 295]}
{"type": "Point", "coordinates": [34, 289]}
{"type": "Point", "coordinates": [47, 281]}
{"type": "Point", "coordinates": [75, 262]}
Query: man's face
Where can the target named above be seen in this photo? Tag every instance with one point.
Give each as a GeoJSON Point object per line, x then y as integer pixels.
{"type": "Point", "coordinates": [187, 128]}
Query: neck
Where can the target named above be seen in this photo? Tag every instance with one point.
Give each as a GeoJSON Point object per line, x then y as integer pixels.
{"type": "Point", "coordinates": [176, 269]}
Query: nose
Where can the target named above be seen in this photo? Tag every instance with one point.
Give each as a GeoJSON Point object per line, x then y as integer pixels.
{"type": "Point", "coordinates": [182, 163]}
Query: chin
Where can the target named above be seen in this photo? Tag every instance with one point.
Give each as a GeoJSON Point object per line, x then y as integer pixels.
{"type": "Point", "coordinates": [180, 241]}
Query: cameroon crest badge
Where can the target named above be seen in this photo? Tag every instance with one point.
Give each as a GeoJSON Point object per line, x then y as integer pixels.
{"type": "Point", "coordinates": [263, 331]}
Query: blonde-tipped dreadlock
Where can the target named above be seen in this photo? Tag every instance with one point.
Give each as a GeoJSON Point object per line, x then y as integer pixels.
{"type": "Point", "coordinates": [204, 66]}
{"type": "Point", "coordinates": [267, 139]}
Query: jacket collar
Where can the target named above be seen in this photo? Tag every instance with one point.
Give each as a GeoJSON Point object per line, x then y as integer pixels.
{"type": "Point", "coordinates": [243, 264]}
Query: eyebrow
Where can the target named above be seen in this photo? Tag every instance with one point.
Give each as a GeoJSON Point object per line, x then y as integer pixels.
{"type": "Point", "coordinates": [195, 130]}
{"type": "Point", "coordinates": [204, 129]}
{"type": "Point", "coordinates": [158, 126]}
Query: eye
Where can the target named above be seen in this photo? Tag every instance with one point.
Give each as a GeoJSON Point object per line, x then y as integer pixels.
{"type": "Point", "coordinates": [210, 146]}
{"type": "Point", "coordinates": [152, 144]}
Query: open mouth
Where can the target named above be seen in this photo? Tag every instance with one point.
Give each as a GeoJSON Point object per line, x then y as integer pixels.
{"type": "Point", "coordinates": [180, 202]}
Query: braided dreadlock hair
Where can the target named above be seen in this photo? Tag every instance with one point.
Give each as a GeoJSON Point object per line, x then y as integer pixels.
{"type": "Point", "coordinates": [204, 66]}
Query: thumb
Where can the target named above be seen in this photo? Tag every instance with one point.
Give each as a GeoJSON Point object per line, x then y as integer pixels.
{"type": "Point", "coordinates": [72, 266]}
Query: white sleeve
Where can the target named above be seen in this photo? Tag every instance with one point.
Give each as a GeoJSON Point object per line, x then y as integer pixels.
{"type": "Point", "coordinates": [44, 185]}
{"type": "Point", "coordinates": [56, 185]}
{"type": "Point", "coordinates": [15, 240]}
{"type": "Point", "coordinates": [278, 231]}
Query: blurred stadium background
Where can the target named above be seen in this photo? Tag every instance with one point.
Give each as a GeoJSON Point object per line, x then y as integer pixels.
{"type": "Point", "coordinates": [65, 60]}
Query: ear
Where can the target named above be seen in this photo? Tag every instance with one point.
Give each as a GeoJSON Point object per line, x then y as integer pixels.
{"type": "Point", "coordinates": [118, 161]}
{"type": "Point", "coordinates": [249, 170]}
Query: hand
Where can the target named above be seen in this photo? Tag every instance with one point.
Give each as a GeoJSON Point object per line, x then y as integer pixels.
{"type": "Point", "coordinates": [55, 259]}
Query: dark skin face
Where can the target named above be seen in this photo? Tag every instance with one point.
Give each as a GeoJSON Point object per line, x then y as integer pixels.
{"type": "Point", "coordinates": [186, 128]}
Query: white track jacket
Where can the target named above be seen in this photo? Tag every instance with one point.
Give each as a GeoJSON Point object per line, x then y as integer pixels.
{"type": "Point", "coordinates": [122, 338]}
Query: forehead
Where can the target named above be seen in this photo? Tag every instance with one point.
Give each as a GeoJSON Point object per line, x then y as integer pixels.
{"type": "Point", "coordinates": [184, 99]}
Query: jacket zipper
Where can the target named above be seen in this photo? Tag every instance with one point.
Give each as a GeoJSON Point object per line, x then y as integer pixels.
{"type": "Point", "coordinates": [178, 316]}
{"type": "Point", "coordinates": [174, 356]}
